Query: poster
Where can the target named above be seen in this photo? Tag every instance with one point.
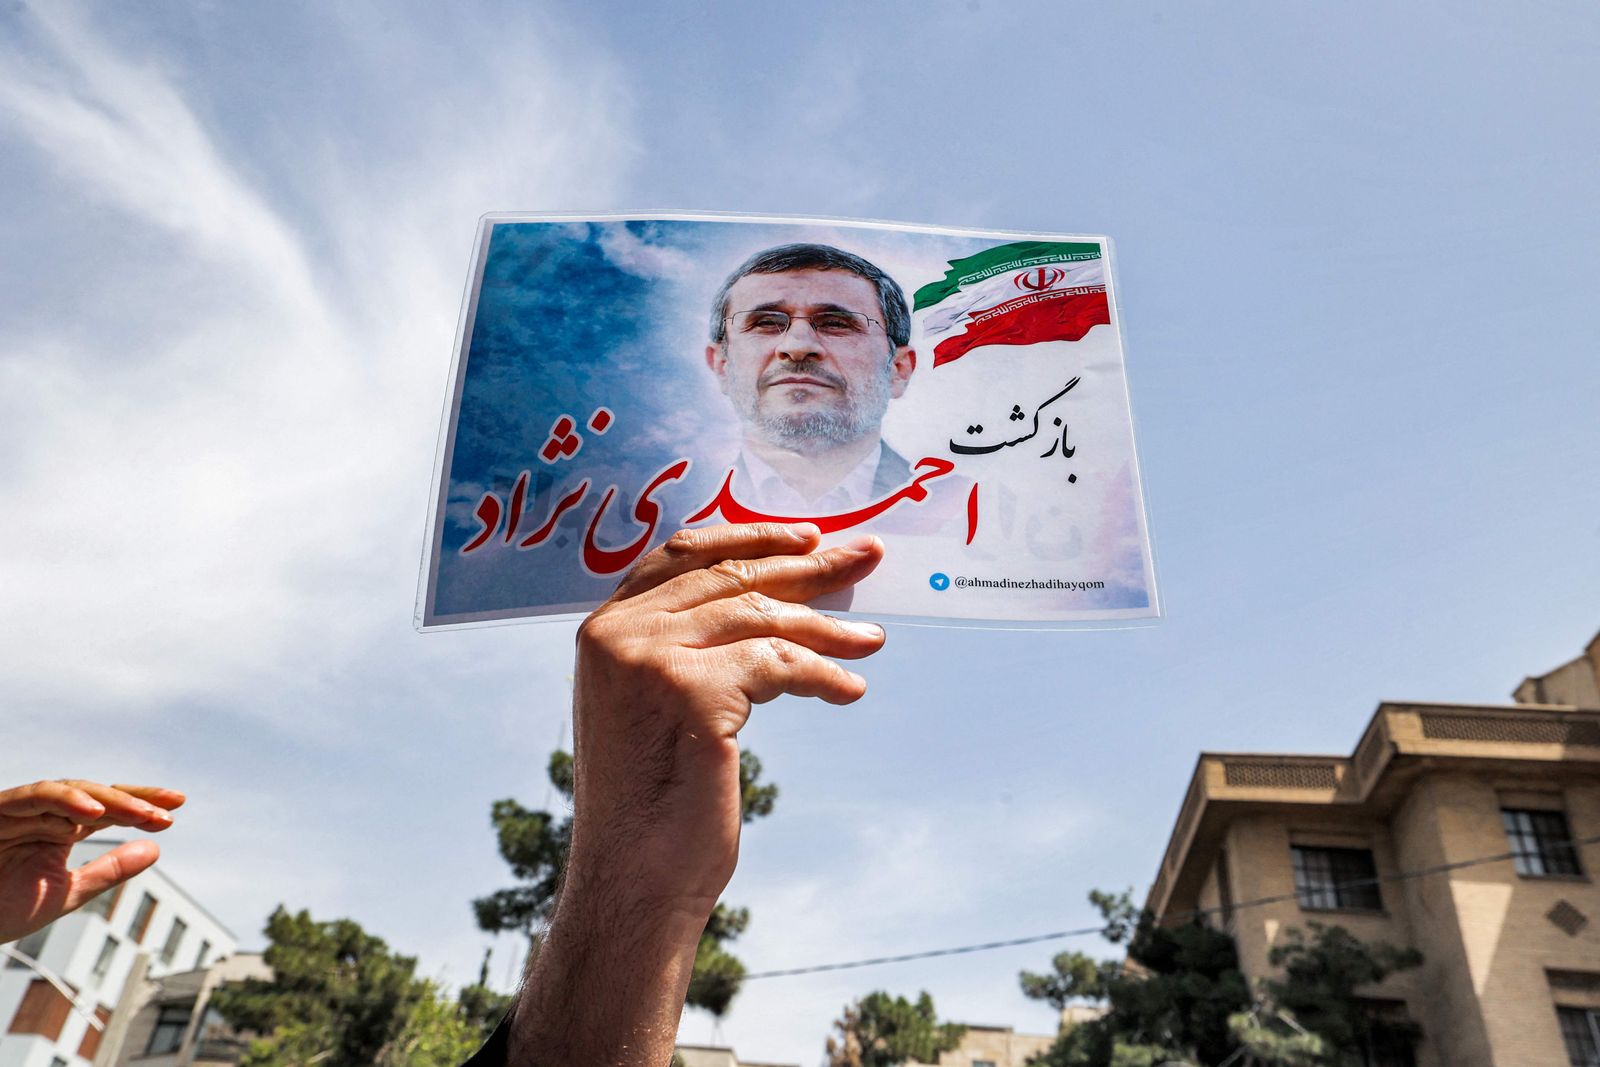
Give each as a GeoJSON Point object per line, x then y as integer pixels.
{"type": "Point", "coordinates": [960, 394]}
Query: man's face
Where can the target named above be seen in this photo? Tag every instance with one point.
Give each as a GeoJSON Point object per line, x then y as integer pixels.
{"type": "Point", "coordinates": [809, 387]}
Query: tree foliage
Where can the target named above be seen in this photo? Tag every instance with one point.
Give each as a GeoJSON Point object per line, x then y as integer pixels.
{"type": "Point", "coordinates": [1312, 1017]}
{"type": "Point", "coordinates": [1074, 977]}
{"type": "Point", "coordinates": [340, 998]}
{"type": "Point", "coordinates": [717, 973]}
{"type": "Point", "coordinates": [435, 1033]}
{"type": "Point", "coordinates": [883, 1031]}
{"type": "Point", "coordinates": [535, 845]}
{"type": "Point", "coordinates": [1180, 997]}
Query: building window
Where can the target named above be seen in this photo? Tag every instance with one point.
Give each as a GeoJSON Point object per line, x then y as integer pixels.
{"type": "Point", "coordinates": [1342, 879]}
{"type": "Point", "coordinates": [1390, 1037]}
{"type": "Point", "coordinates": [1388, 1052]}
{"type": "Point", "coordinates": [1580, 1029]}
{"type": "Point", "coordinates": [200, 957]}
{"type": "Point", "coordinates": [102, 962]}
{"type": "Point", "coordinates": [29, 946]}
{"type": "Point", "coordinates": [174, 938]}
{"type": "Point", "coordinates": [1541, 844]}
{"type": "Point", "coordinates": [171, 1021]}
{"type": "Point", "coordinates": [217, 1042]}
{"type": "Point", "coordinates": [141, 919]}
{"type": "Point", "coordinates": [982, 1063]}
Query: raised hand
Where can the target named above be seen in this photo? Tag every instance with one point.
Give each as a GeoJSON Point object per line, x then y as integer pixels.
{"type": "Point", "coordinates": [40, 823]}
{"type": "Point", "coordinates": [706, 626]}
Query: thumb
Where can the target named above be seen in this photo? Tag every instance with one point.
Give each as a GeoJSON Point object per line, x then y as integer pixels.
{"type": "Point", "coordinates": [110, 869]}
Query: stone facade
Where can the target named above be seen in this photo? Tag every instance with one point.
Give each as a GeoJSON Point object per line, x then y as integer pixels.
{"type": "Point", "coordinates": [1422, 805]}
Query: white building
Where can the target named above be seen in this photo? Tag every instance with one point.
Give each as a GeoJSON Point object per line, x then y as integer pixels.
{"type": "Point", "coordinates": [53, 1011]}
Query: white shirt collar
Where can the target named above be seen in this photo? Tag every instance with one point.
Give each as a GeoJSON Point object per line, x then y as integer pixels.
{"type": "Point", "coordinates": [769, 492]}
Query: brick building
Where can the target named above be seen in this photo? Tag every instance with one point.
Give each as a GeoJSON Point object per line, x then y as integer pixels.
{"type": "Point", "coordinates": [1511, 976]}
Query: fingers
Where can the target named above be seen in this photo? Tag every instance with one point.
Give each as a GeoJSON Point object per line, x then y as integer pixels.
{"type": "Point", "coordinates": [771, 667]}
{"type": "Point", "coordinates": [85, 804]}
{"type": "Point", "coordinates": [125, 808]}
{"type": "Point", "coordinates": [785, 577]}
{"type": "Point", "coordinates": [65, 799]}
{"type": "Point", "coordinates": [751, 615]}
{"type": "Point", "coordinates": [52, 828]}
{"type": "Point", "coordinates": [110, 869]}
{"type": "Point", "coordinates": [169, 799]}
{"type": "Point", "coordinates": [693, 550]}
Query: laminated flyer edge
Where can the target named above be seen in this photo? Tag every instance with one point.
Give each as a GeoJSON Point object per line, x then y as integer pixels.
{"type": "Point", "coordinates": [423, 614]}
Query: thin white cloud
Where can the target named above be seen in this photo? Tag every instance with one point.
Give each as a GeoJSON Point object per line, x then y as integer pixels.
{"type": "Point", "coordinates": [121, 132]}
{"type": "Point", "coordinates": [233, 477]}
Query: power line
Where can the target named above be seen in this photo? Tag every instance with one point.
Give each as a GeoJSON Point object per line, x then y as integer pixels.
{"type": "Point", "coordinates": [928, 954]}
{"type": "Point", "coordinates": [1177, 918]}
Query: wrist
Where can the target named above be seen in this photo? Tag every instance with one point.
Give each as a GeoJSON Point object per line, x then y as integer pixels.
{"type": "Point", "coordinates": [610, 881]}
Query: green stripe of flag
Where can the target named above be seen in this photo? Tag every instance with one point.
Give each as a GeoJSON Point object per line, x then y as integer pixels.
{"type": "Point", "coordinates": [998, 260]}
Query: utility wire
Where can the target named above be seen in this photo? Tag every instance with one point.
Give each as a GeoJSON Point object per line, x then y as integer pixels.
{"type": "Point", "coordinates": [1173, 919]}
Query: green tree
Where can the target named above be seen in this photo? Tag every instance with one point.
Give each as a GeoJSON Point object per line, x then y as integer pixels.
{"type": "Point", "coordinates": [717, 973]}
{"type": "Point", "coordinates": [1073, 977]}
{"type": "Point", "coordinates": [535, 845]}
{"type": "Point", "coordinates": [337, 993]}
{"type": "Point", "coordinates": [480, 1005]}
{"type": "Point", "coordinates": [338, 997]}
{"type": "Point", "coordinates": [1179, 996]}
{"type": "Point", "coordinates": [883, 1031]}
{"type": "Point", "coordinates": [1171, 1001]}
{"type": "Point", "coordinates": [1312, 1017]}
{"type": "Point", "coordinates": [435, 1033]}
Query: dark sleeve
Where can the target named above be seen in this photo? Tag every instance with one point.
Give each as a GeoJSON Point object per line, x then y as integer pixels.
{"type": "Point", "coordinates": [493, 1052]}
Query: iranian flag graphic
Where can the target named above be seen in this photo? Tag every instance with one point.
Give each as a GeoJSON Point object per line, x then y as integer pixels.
{"type": "Point", "coordinates": [1015, 294]}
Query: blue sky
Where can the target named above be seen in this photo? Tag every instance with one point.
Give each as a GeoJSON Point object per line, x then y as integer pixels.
{"type": "Point", "coordinates": [1356, 249]}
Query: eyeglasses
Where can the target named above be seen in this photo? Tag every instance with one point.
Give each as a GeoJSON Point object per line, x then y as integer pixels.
{"type": "Point", "coordinates": [840, 324]}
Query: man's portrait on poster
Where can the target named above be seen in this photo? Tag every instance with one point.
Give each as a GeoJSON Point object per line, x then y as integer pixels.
{"type": "Point", "coordinates": [810, 343]}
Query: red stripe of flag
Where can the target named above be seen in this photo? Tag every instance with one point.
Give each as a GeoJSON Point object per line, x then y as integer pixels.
{"type": "Point", "coordinates": [1061, 316]}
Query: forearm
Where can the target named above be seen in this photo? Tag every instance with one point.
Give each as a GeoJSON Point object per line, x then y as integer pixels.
{"type": "Point", "coordinates": [668, 669]}
{"type": "Point", "coordinates": [607, 984]}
